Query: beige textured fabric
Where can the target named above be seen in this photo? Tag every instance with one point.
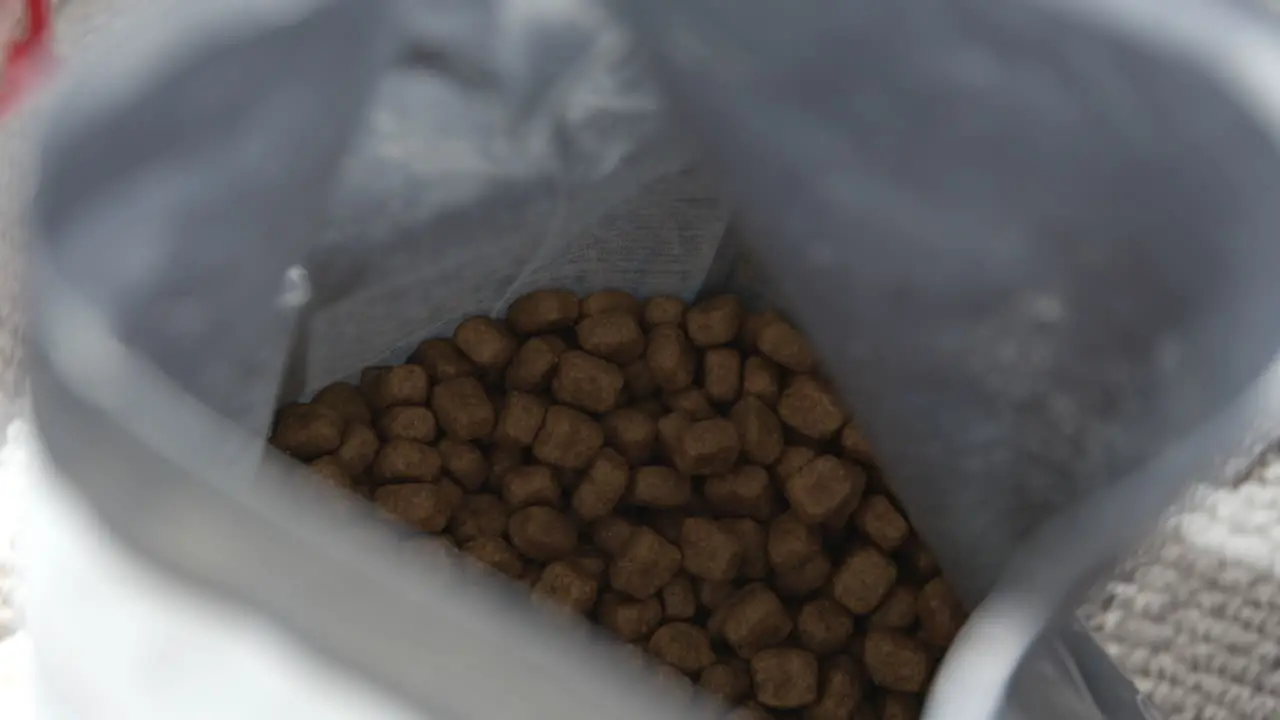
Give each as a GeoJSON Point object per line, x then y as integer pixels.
{"type": "Point", "coordinates": [1195, 617]}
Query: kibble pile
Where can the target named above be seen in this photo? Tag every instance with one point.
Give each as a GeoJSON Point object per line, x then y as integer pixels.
{"type": "Point", "coordinates": [683, 476]}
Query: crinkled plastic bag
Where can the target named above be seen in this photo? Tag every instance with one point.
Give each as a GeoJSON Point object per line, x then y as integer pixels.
{"type": "Point", "coordinates": [253, 201]}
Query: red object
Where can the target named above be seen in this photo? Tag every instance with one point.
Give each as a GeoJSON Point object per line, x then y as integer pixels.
{"type": "Point", "coordinates": [27, 57]}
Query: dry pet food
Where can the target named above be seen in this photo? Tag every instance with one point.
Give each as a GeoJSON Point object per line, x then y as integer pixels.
{"type": "Point", "coordinates": [683, 476]}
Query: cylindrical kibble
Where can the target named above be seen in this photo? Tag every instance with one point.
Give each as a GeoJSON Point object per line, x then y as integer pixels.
{"type": "Point", "coordinates": [486, 342]}
{"type": "Point", "coordinates": [542, 533]}
{"type": "Point", "coordinates": [442, 360]}
{"type": "Point", "coordinates": [645, 564]}
{"type": "Point", "coordinates": [616, 337]}
{"type": "Point", "coordinates": [824, 626]}
{"type": "Point", "coordinates": [722, 374]}
{"type": "Point", "coordinates": [663, 310]}
{"type": "Point", "coordinates": [682, 645]}
{"type": "Point", "coordinates": [568, 439]}
{"type": "Point", "coordinates": [685, 477]}
{"type": "Point", "coordinates": [307, 431]}
{"type": "Point", "coordinates": [530, 485]}
{"type": "Point", "coordinates": [863, 580]}
{"type": "Point", "coordinates": [586, 382]}
{"type": "Point", "coordinates": [603, 487]}
{"type": "Point", "coordinates": [425, 506]}
{"type": "Point", "coordinates": [408, 422]}
{"type": "Point", "coordinates": [346, 400]}
{"type": "Point", "coordinates": [610, 301]}
{"type": "Point", "coordinates": [671, 358]}
{"type": "Point", "coordinates": [463, 409]}
{"type": "Point", "coordinates": [896, 662]}
{"type": "Point", "coordinates": [785, 678]}
{"type": "Point", "coordinates": [543, 311]}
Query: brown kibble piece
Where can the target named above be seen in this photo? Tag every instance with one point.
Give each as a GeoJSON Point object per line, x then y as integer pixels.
{"type": "Point", "coordinates": [464, 462]}
{"type": "Point", "coordinates": [919, 559]}
{"type": "Point", "coordinates": [425, 506]}
{"type": "Point", "coordinates": [463, 409]}
{"type": "Point", "coordinates": [564, 583]}
{"type": "Point", "coordinates": [691, 401]}
{"type": "Point", "coordinates": [631, 432]}
{"type": "Point", "coordinates": [542, 533]}
{"type": "Point", "coordinates": [671, 358]}
{"type": "Point", "coordinates": [841, 691]}
{"type": "Point", "coordinates": [750, 711]}
{"type": "Point", "coordinates": [791, 542]}
{"type": "Point", "coordinates": [591, 561]}
{"type": "Point", "coordinates": [854, 445]}
{"type": "Point", "coordinates": [658, 486]}
{"type": "Point", "coordinates": [603, 487]}
{"type": "Point", "coordinates": [824, 626]}
{"type": "Point", "coordinates": [730, 682]}
{"type": "Point", "coordinates": [639, 379]}
{"type": "Point", "coordinates": [760, 378]}
{"type": "Point", "coordinates": [520, 419]}
{"type": "Point", "coordinates": [502, 460]}
{"type": "Point", "coordinates": [406, 460]}
{"type": "Point", "coordinates": [896, 662]}
{"type": "Point", "coordinates": [346, 400]}
{"type": "Point", "coordinates": [684, 646]}
{"type": "Point", "coordinates": [671, 428]}
{"type": "Point", "coordinates": [629, 619]}
{"type": "Point", "coordinates": [940, 613]}
{"type": "Point", "coordinates": [307, 431]}
{"type": "Point", "coordinates": [480, 515]}
{"type": "Point", "coordinates": [783, 344]}
{"type": "Point", "coordinates": [663, 310]}
{"type": "Point", "coordinates": [805, 578]}
{"type": "Point", "coordinates": [749, 333]}
{"type": "Point", "coordinates": [543, 311]}
{"type": "Point", "coordinates": [881, 522]}
{"type": "Point", "coordinates": [646, 563]}
{"type": "Point", "coordinates": [759, 428]}
{"type": "Point", "coordinates": [822, 487]}
{"type": "Point", "coordinates": [408, 422]}
{"type": "Point", "coordinates": [714, 321]}
{"type": "Point", "coordinates": [751, 535]}
{"type": "Point", "coordinates": [708, 447]}
{"type": "Point", "coordinates": [679, 601]}
{"type": "Point", "coordinates": [399, 385]}
{"type": "Point", "coordinates": [713, 593]}
{"type": "Point", "coordinates": [530, 485]}
{"type": "Point", "coordinates": [610, 301]}
{"type": "Point", "coordinates": [900, 706]}
{"type": "Point", "coordinates": [568, 439]}
{"type": "Point", "coordinates": [722, 374]}
{"type": "Point", "coordinates": [751, 620]}
{"type": "Point", "coordinates": [616, 337]}
{"type": "Point", "coordinates": [792, 459]}
{"type": "Point", "coordinates": [611, 533]}
{"type": "Point", "coordinates": [534, 364]}
{"type": "Point", "coordinates": [809, 406]}
{"type": "Point", "coordinates": [485, 341]}
{"type": "Point", "coordinates": [497, 554]}
{"type": "Point", "coordinates": [785, 678]}
{"type": "Point", "coordinates": [864, 578]}
{"type": "Point", "coordinates": [587, 382]}
{"type": "Point", "coordinates": [710, 551]}
{"type": "Point", "coordinates": [747, 491]}
{"type": "Point", "coordinates": [330, 469]}
{"type": "Point", "coordinates": [358, 449]}
{"type": "Point", "coordinates": [442, 360]}
{"type": "Point", "coordinates": [897, 611]}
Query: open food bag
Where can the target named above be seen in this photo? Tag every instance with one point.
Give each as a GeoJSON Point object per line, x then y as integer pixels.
{"type": "Point", "coordinates": [1033, 246]}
